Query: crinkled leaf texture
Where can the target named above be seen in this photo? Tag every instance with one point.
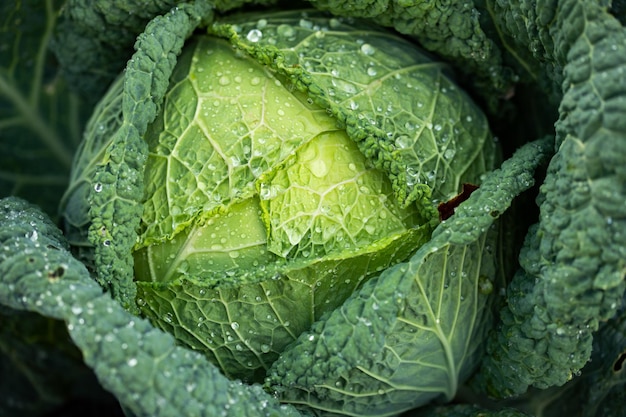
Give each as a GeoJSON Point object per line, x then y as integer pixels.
{"type": "Point", "coordinates": [574, 261]}
{"type": "Point", "coordinates": [139, 364]}
{"type": "Point", "coordinates": [414, 333]}
{"type": "Point", "coordinates": [117, 182]}
{"type": "Point", "coordinates": [601, 388]}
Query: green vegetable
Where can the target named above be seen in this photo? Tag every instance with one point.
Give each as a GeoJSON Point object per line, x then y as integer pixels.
{"type": "Point", "coordinates": [265, 187]}
{"type": "Point", "coordinates": [258, 219]}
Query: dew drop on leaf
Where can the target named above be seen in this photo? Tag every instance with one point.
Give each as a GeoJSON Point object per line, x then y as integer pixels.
{"type": "Point", "coordinates": [254, 35]}
{"type": "Point", "coordinates": [367, 49]}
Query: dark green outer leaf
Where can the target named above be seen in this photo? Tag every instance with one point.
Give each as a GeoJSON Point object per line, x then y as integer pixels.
{"type": "Point", "coordinates": [40, 120]}
{"type": "Point", "coordinates": [574, 261]}
{"type": "Point", "coordinates": [601, 389]}
{"type": "Point", "coordinates": [118, 182]}
{"type": "Point", "coordinates": [139, 364]}
{"type": "Point", "coordinates": [364, 357]}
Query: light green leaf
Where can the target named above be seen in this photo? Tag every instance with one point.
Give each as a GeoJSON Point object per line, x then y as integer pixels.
{"type": "Point", "coordinates": [326, 199]}
{"type": "Point", "coordinates": [260, 213]}
{"type": "Point", "coordinates": [400, 106]}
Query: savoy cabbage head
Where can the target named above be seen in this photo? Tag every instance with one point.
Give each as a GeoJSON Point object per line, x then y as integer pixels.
{"type": "Point", "coordinates": [269, 212]}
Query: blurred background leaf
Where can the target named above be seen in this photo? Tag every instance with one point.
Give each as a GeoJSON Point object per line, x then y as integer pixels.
{"type": "Point", "coordinates": [40, 120]}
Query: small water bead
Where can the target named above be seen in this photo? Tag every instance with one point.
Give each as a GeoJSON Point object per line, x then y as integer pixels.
{"type": "Point", "coordinates": [307, 24]}
{"type": "Point", "coordinates": [254, 35]}
{"type": "Point", "coordinates": [367, 49]}
{"type": "Point", "coordinates": [334, 23]}
{"type": "Point", "coordinates": [224, 80]}
{"type": "Point", "coordinates": [404, 142]}
{"type": "Point", "coordinates": [449, 153]}
{"type": "Point", "coordinates": [371, 71]}
{"type": "Point", "coordinates": [132, 362]}
{"type": "Point", "coordinates": [285, 31]}
{"type": "Point", "coordinates": [97, 187]}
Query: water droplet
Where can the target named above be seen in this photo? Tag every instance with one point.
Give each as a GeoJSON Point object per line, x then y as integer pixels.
{"type": "Point", "coordinates": [224, 80]}
{"type": "Point", "coordinates": [132, 362]}
{"type": "Point", "coordinates": [285, 31]}
{"type": "Point", "coordinates": [404, 142]}
{"type": "Point", "coordinates": [306, 23]}
{"type": "Point", "coordinates": [255, 81]}
{"type": "Point", "coordinates": [254, 35]}
{"type": "Point", "coordinates": [334, 23]}
{"type": "Point", "coordinates": [265, 348]}
{"type": "Point", "coordinates": [168, 317]}
{"type": "Point", "coordinates": [234, 325]}
{"type": "Point", "coordinates": [449, 153]}
{"type": "Point", "coordinates": [318, 168]}
{"type": "Point", "coordinates": [97, 187]}
{"type": "Point", "coordinates": [367, 49]}
{"type": "Point", "coordinates": [371, 71]}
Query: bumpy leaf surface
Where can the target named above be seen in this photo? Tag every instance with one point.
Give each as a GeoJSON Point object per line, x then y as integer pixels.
{"type": "Point", "coordinates": [574, 261]}
{"type": "Point", "coordinates": [118, 182]}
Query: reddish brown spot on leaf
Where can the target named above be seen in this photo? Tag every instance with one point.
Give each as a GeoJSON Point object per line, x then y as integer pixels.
{"type": "Point", "coordinates": [447, 208]}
